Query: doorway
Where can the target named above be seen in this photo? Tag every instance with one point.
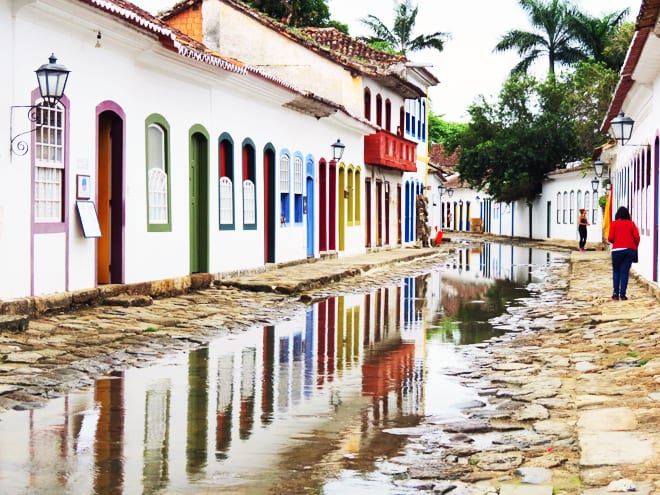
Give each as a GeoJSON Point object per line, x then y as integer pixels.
{"type": "Point", "coordinates": [110, 194]}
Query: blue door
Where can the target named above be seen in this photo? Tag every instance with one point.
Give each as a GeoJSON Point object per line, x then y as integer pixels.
{"type": "Point", "coordinates": [308, 209]}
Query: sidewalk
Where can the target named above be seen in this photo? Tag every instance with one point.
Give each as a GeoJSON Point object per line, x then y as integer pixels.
{"type": "Point", "coordinates": [291, 278]}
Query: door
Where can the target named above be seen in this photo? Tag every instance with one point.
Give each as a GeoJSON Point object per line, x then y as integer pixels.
{"type": "Point", "coordinates": [199, 203]}
{"type": "Point", "coordinates": [110, 201]}
{"type": "Point", "coordinates": [308, 211]}
{"type": "Point", "coordinates": [367, 190]}
{"type": "Point", "coordinates": [270, 211]}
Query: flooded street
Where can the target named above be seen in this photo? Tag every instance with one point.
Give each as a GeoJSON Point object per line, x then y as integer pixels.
{"type": "Point", "coordinates": [296, 407]}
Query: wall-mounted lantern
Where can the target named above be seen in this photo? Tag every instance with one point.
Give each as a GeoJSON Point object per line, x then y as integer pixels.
{"type": "Point", "coordinates": [621, 128]}
{"type": "Point", "coordinates": [52, 78]}
{"type": "Point", "coordinates": [337, 150]}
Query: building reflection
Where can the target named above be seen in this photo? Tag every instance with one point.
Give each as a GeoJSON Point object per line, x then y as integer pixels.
{"type": "Point", "coordinates": [235, 405]}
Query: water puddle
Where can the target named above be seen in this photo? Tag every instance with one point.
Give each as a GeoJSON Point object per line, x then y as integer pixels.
{"type": "Point", "coordinates": [297, 407]}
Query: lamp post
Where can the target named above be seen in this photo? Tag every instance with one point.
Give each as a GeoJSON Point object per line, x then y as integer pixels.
{"type": "Point", "coordinates": [594, 185]}
{"type": "Point", "coordinates": [621, 127]}
{"type": "Point", "coordinates": [52, 78]}
{"type": "Point", "coordinates": [337, 150]}
{"type": "Point", "coordinates": [599, 168]}
{"type": "Point", "coordinates": [442, 189]}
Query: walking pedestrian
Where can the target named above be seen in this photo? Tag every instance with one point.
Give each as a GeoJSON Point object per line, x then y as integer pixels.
{"type": "Point", "coordinates": [624, 238]}
{"type": "Point", "coordinates": [582, 228]}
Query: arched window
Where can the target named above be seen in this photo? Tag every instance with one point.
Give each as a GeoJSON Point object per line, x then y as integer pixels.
{"type": "Point", "coordinates": [351, 195]}
{"type": "Point", "coordinates": [358, 196]}
{"type": "Point", "coordinates": [379, 110]}
{"type": "Point", "coordinates": [158, 181]}
{"type": "Point", "coordinates": [249, 186]}
{"type": "Point", "coordinates": [285, 189]}
{"type": "Point", "coordinates": [226, 182]}
{"type": "Point", "coordinates": [298, 188]}
{"type": "Point", "coordinates": [564, 213]}
{"type": "Point", "coordinates": [388, 115]}
{"type": "Point", "coordinates": [571, 210]}
{"type": "Point", "coordinates": [558, 207]}
{"type": "Point", "coordinates": [367, 104]}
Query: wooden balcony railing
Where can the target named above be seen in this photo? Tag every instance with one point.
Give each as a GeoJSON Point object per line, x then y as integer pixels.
{"type": "Point", "coordinates": [385, 149]}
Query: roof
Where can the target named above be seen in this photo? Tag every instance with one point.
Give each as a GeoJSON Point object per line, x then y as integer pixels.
{"type": "Point", "coordinates": [645, 24]}
{"type": "Point", "coordinates": [352, 54]}
{"type": "Point", "coordinates": [174, 40]}
{"type": "Point", "coordinates": [169, 37]}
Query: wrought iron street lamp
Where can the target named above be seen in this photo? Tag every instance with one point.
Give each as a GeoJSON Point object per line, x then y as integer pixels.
{"type": "Point", "coordinates": [52, 78]}
{"type": "Point", "coordinates": [594, 184]}
{"type": "Point", "coordinates": [599, 168]}
{"type": "Point", "coordinates": [621, 127]}
{"type": "Point", "coordinates": [338, 150]}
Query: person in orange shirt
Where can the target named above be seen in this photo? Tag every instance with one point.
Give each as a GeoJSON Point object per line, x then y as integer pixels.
{"type": "Point", "coordinates": [624, 237]}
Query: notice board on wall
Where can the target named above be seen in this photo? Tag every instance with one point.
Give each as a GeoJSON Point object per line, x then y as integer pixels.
{"type": "Point", "coordinates": [89, 220]}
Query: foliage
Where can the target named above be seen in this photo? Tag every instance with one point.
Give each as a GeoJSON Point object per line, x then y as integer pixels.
{"type": "Point", "coordinates": [509, 147]}
{"type": "Point", "coordinates": [552, 35]}
{"type": "Point", "coordinates": [567, 36]}
{"type": "Point", "coordinates": [297, 13]}
{"type": "Point", "coordinates": [400, 38]}
{"type": "Point", "coordinates": [587, 93]}
{"type": "Point", "coordinates": [616, 48]}
{"type": "Point", "coordinates": [596, 36]}
{"type": "Point", "coordinates": [447, 133]}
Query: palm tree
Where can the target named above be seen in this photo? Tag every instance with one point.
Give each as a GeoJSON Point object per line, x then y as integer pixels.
{"type": "Point", "coordinates": [400, 39]}
{"type": "Point", "coordinates": [553, 37]}
{"type": "Point", "coordinates": [598, 35]}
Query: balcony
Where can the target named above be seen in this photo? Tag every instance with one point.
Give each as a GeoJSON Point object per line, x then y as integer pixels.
{"type": "Point", "coordinates": [385, 149]}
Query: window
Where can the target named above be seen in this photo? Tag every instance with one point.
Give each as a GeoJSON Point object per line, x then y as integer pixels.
{"type": "Point", "coordinates": [564, 208]}
{"type": "Point", "coordinates": [388, 115]}
{"type": "Point", "coordinates": [158, 181]}
{"type": "Point", "coordinates": [558, 207]}
{"type": "Point", "coordinates": [226, 182]}
{"type": "Point", "coordinates": [594, 209]}
{"type": "Point", "coordinates": [284, 189]}
{"type": "Point", "coordinates": [356, 185]}
{"type": "Point", "coordinates": [298, 188]}
{"type": "Point", "coordinates": [367, 104]}
{"type": "Point", "coordinates": [571, 210]}
{"type": "Point", "coordinates": [249, 186]}
{"type": "Point", "coordinates": [351, 195]}
{"type": "Point", "coordinates": [379, 110]}
{"type": "Point", "coordinates": [49, 165]}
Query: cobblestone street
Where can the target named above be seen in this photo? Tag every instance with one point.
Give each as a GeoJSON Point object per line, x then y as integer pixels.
{"type": "Point", "coordinates": [574, 387]}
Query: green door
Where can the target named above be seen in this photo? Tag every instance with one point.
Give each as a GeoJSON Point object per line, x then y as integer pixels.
{"type": "Point", "coordinates": [199, 203]}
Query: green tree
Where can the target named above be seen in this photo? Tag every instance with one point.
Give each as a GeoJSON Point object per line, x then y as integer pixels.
{"type": "Point", "coordinates": [552, 36]}
{"type": "Point", "coordinates": [509, 147]}
{"type": "Point", "coordinates": [447, 133]}
{"type": "Point", "coordinates": [596, 36]}
{"type": "Point", "coordinates": [587, 93]}
{"type": "Point", "coordinates": [297, 13]}
{"type": "Point", "coordinates": [400, 38]}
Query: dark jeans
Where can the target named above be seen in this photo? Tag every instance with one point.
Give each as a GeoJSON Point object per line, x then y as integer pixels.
{"type": "Point", "coordinates": [621, 262]}
{"type": "Point", "coordinates": [582, 229]}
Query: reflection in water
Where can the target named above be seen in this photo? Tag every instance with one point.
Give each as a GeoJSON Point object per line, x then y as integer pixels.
{"type": "Point", "coordinates": [287, 405]}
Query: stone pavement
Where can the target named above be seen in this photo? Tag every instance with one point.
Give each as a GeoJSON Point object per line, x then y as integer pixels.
{"type": "Point", "coordinates": [573, 388]}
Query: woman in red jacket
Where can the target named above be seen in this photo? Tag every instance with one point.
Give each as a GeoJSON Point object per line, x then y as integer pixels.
{"type": "Point", "coordinates": [624, 238]}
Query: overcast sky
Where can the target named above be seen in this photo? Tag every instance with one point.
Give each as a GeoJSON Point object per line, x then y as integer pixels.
{"type": "Point", "coordinates": [467, 67]}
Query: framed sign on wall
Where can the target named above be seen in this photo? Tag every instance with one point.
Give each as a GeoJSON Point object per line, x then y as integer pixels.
{"type": "Point", "coordinates": [89, 220]}
{"type": "Point", "coordinates": [83, 189]}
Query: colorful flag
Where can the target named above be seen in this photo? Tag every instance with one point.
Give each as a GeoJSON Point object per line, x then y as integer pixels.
{"type": "Point", "coordinates": [607, 214]}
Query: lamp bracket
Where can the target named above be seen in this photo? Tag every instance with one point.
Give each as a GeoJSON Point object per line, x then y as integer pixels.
{"type": "Point", "coordinates": [21, 147]}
